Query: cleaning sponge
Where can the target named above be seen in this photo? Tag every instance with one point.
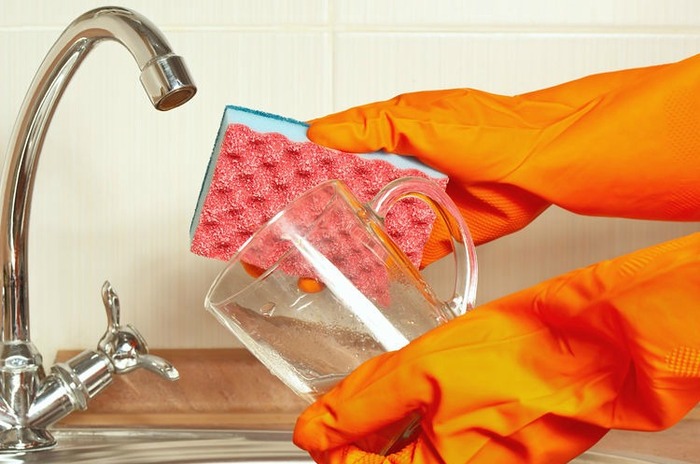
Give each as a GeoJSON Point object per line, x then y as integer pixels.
{"type": "Point", "coordinates": [261, 162]}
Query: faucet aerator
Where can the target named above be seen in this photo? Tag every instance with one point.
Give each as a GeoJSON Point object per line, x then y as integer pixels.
{"type": "Point", "coordinates": [167, 82]}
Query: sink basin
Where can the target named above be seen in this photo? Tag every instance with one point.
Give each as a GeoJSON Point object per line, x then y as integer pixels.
{"type": "Point", "coordinates": [172, 446]}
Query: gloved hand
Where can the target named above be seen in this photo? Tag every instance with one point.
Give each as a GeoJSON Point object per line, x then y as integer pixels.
{"type": "Point", "coordinates": [624, 144]}
{"type": "Point", "coordinates": [536, 377]}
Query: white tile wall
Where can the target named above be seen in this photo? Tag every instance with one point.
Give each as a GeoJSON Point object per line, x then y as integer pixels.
{"type": "Point", "coordinates": [118, 181]}
{"type": "Point", "coordinates": [570, 15]}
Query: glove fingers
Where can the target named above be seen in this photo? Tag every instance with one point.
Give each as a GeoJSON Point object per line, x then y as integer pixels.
{"type": "Point", "coordinates": [361, 405]}
{"type": "Point", "coordinates": [418, 451]}
{"type": "Point", "coordinates": [465, 350]}
{"type": "Point", "coordinates": [470, 135]}
{"type": "Point", "coordinates": [364, 128]}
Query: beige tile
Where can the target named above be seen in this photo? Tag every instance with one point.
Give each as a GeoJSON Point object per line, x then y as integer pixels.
{"type": "Point", "coordinates": [533, 14]}
{"type": "Point", "coordinates": [20, 56]}
{"type": "Point", "coordinates": [283, 72]}
{"type": "Point", "coordinates": [371, 66]}
{"type": "Point", "coordinates": [173, 13]}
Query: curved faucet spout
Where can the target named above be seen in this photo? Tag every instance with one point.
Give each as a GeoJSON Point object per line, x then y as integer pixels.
{"type": "Point", "coordinates": [164, 77]}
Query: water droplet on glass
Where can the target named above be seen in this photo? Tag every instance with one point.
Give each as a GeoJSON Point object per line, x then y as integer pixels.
{"type": "Point", "coordinates": [267, 309]}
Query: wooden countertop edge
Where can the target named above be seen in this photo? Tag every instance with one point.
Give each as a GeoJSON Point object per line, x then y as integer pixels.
{"type": "Point", "coordinates": [184, 420]}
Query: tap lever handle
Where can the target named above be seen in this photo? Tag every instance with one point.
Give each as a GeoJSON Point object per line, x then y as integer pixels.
{"type": "Point", "coordinates": [111, 303]}
{"type": "Point", "coordinates": [159, 366]}
{"type": "Point", "coordinates": [124, 346]}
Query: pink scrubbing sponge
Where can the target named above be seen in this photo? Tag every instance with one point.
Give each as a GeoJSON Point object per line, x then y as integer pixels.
{"type": "Point", "coordinates": [257, 175]}
{"type": "Point", "coordinates": [253, 175]}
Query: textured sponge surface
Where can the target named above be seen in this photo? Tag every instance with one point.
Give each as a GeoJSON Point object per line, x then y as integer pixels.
{"type": "Point", "coordinates": [258, 174]}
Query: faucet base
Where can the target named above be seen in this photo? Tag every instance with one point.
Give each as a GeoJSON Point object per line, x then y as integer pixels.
{"type": "Point", "coordinates": [28, 439]}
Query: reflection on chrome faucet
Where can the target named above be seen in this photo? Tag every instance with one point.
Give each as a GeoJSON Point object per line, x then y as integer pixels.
{"type": "Point", "coordinates": [30, 400]}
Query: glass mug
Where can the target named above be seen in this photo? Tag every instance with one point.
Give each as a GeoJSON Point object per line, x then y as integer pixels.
{"type": "Point", "coordinates": [321, 287]}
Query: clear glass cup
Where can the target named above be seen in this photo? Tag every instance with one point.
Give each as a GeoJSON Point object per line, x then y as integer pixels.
{"type": "Point", "coordinates": [322, 287]}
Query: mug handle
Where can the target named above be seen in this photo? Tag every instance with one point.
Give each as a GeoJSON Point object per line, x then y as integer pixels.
{"type": "Point", "coordinates": [464, 254]}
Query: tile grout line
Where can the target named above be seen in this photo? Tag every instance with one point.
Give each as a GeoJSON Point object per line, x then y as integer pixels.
{"type": "Point", "coordinates": [331, 23]}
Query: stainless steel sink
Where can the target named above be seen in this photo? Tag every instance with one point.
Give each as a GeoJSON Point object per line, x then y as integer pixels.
{"type": "Point", "coordinates": [173, 446]}
{"type": "Point", "coordinates": [111, 446]}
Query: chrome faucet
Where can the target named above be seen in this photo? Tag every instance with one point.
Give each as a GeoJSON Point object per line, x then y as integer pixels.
{"type": "Point", "coordinates": [30, 400]}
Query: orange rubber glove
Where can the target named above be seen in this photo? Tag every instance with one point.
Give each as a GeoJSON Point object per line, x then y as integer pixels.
{"type": "Point", "coordinates": [535, 377]}
{"type": "Point", "coordinates": [624, 144]}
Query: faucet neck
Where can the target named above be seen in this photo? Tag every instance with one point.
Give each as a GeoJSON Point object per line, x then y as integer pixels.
{"type": "Point", "coordinates": [165, 79]}
{"type": "Point", "coordinates": [20, 166]}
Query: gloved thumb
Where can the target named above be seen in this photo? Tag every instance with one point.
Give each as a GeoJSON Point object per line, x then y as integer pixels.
{"type": "Point", "coordinates": [417, 451]}
{"type": "Point", "coordinates": [438, 127]}
{"type": "Point", "coordinates": [346, 130]}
